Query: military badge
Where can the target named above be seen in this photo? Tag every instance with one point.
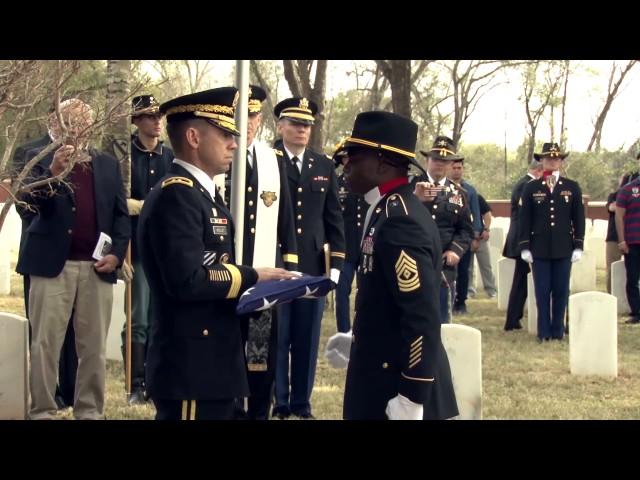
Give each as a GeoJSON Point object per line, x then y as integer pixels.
{"type": "Point", "coordinates": [224, 258]}
{"type": "Point", "coordinates": [220, 230]}
{"type": "Point", "coordinates": [218, 221]}
{"type": "Point", "coordinates": [268, 198]}
{"type": "Point", "coordinates": [407, 273]}
{"type": "Point", "coordinates": [539, 196]}
{"type": "Point", "coordinates": [209, 258]}
{"type": "Point", "coordinates": [367, 245]}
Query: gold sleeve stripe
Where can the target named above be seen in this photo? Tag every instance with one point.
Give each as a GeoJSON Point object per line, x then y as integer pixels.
{"type": "Point", "coordinates": [236, 280]}
{"type": "Point", "coordinates": [415, 362]}
{"type": "Point", "coordinates": [338, 254]}
{"type": "Point", "coordinates": [184, 410]}
{"type": "Point", "coordinates": [219, 276]}
{"type": "Point", "coordinates": [414, 356]}
{"type": "Point", "coordinates": [192, 415]}
{"type": "Point", "coordinates": [417, 379]}
{"type": "Point", "coordinates": [290, 257]}
{"type": "Point", "coordinates": [419, 339]}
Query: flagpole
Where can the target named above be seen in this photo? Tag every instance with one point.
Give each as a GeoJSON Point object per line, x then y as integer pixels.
{"type": "Point", "coordinates": [240, 157]}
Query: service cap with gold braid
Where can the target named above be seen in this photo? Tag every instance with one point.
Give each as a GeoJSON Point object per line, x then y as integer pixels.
{"type": "Point", "coordinates": [144, 105]}
{"type": "Point", "coordinates": [216, 106]}
{"type": "Point", "coordinates": [443, 149]}
{"type": "Point", "coordinates": [296, 109]}
{"type": "Point", "coordinates": [339, 152]}
{"type": "Point", "coordinates": [385, 131]}
{"type": "Point", "coordinates": [257, 95]}
{"type": "Point", "coordinates": [551, 150]}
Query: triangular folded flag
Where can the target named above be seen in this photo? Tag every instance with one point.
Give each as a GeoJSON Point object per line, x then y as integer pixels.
{"type": "Point", "coordinates": [265, 295]}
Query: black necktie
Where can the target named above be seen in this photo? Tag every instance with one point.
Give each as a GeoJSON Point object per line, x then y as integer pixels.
{"type": "Point", "coordinates": [294, 162]}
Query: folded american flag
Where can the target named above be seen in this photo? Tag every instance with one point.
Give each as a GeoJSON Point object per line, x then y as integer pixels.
{"type": "Point", "coordinates": [265, 295]}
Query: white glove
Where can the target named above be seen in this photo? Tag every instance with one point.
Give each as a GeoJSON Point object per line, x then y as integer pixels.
{"type": "Point", "coordinates": [576, 255]}
{"type": "Point", "coordinates": [526, 256]}
{"type": "Point", "coordinates": [335, 275]}
{"type": "Point", "coordinates": [134, 206]}
{"type": "Point", "coordinates": [401, 408]}
{"type": "Point", "coordinates": [338, 349]}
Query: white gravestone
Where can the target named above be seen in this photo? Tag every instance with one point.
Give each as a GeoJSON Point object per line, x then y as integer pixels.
{"type": "Point", "coordinates": [14, 367]}
{"type": "Point", "coordinates": [532, 307]}
{"type": "Point", "coordinates": [506, 267]}
{"type": "Point", "coordinates": [583, 274]}
{"type": "Point", "coordinates": [597, 246]}
{"type": "Point", "coordinates": [464, 349]}
{"type": "Point", "coordinates": [600, 228]}
{"type": "Point", "coordinates": [619, 286]}
{"type": "Point", "coordinates": [118, 319]}
{"type": "Point", "coordinates": [593, 338]}
{"type": "Point", "coordinates": [5, 270]}
{"type": "Point", "coordinates": [496, 237]}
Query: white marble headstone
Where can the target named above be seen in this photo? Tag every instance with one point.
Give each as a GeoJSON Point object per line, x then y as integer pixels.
{"type": "Point", "coordinates": [593, 334]}
{"type": "Point", "coordinates": [504, 280]}
{"type": "Point", "coordinates": [464, 349]}
{"type": "Point", "coordinates": [600, 228]}
{"type": "Point", "coordinates": [118, 319]}
{"type": "Point", "coordinates": [496, 237]}
{"type": "Point", "coordinates": [5, 271]}
{"type": "Point", "coordinates": [14, 367]}
{"type": "Point", "coordinates": [583, 274]}
{"type": "Point", "coordinates": [619, 286]}
{"type": "Point", "coordinates": [597, 246]}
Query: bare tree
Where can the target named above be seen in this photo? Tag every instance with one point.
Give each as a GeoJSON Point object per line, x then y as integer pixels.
{"type": "Point", "coordinates": [470, 81]}
{"type": "Point", "coordinates": [616, 78]}
{"type": "Point", "coordinates": [298, 75]}
{"type": "Point", "coordinates": [538, 96]}
{"type": "Point", "coordinates": [16, 184]}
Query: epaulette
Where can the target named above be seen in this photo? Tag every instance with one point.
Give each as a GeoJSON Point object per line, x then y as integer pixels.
{"type": "Point", "coordinates": [278, 152]}
{"type": "Point", "coordinates": [177, 180]}
{"type": "Point", "coordinates": [395, 206]}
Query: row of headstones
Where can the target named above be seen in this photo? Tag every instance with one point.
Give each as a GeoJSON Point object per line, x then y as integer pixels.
{"type": "Point", "coordinates": [14, 360]}
{"type": "Point", "coordinates": [462, 343]}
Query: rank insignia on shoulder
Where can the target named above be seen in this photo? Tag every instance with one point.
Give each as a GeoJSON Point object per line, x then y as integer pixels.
{"type": "Point", "coordinates": [177, 180]}
{"type": "Point", "coordinates": [278, 152]}
{"type": "Point", "coordinates": [407, 273]}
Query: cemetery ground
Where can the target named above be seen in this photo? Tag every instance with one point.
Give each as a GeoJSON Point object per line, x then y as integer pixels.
{"type": "Point", "coordinates": [521, 378]}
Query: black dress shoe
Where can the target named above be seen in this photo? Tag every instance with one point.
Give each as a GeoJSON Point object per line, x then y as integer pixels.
{"type": "Point", "coordinates": [280, 412]}
{"type": "Point", "coordinates": [513, 327]}
{"type": "Point", "coordinates": [60, 403]}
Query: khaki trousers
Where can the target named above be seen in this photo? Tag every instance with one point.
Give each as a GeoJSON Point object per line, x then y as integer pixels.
{"type": "Point", "coordinates": [51, 301]}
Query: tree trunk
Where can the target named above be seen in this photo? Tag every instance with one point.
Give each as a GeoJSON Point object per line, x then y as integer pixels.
{"type": "Point", "coordinates": [118, 136]}
{"type": "Point", "coordinates": [316, 141]}
{"type": "Point", "coordinates": [563, 134]}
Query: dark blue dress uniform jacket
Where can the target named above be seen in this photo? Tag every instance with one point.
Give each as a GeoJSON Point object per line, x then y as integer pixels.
{"type": "Point", "coordinates": [186, 242]}
{"type": "Point", "coordinates": [316, 211]}
{"type": "Point", "coordinates": [551, 225]}
{"type": "Point", "coordinates": [396, 346]}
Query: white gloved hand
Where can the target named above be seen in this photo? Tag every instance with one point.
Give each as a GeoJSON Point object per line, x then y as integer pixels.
{"type": "Point", "coordinates": [338, 349]}
{"type": "Point", "coordinates": [576, 255]}
{"type": "Point", "coordinates": [335, 275]}
{"type": "Point", "coordinates": [526, 256]}
{"type": "Point", "coordinates": [401, 408]}
{"type": "Point", "coordinates": [134, 206]}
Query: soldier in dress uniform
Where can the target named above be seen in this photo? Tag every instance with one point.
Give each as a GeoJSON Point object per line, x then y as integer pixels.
{"type": "Point", "coordinates": [195, 363]}
{"type": "Point", "coordinates": [448, 205]}
{"type": "Point", "coordinates": [551, 232]}
{"type": "Point", "coordinates": [398, 368]}
{"type": "Point", "coordinates": [354, 209]}
{"type": "Point", "coordinates": [150, 161]}
{"type": "Point", "coordinates": [318, 220]}
{"type": "Point", "coordinates": [269, 240]}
